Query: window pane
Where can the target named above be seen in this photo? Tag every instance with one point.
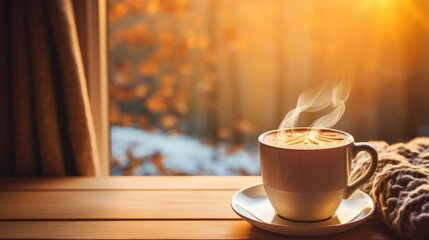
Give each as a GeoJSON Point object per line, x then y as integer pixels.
{"type": "Point", "coordinates": [194, 82]}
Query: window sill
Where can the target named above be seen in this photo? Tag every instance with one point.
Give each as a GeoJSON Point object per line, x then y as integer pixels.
{"type": "Point", "coordinates": [135, 207]}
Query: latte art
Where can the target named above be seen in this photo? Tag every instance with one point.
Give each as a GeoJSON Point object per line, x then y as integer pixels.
{"type": "Point", "coordinates": [307, 139]}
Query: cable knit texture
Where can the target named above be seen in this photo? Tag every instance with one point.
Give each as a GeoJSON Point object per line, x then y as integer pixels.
{"type": "Point", "coordinates": [400, 186]}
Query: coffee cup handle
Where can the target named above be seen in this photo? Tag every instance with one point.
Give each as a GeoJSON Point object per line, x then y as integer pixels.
{"type": "Point", "coordinates": [358, 147]}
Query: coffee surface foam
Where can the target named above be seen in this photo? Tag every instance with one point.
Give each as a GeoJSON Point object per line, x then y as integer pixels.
{"type": "Point", "coordinates": [304, 139]}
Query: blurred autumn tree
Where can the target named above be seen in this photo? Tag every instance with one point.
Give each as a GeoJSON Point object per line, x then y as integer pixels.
{"type": "Point", "coordinates": [223, 71]}
{"type": "Point", "coordinates": [164, 74]}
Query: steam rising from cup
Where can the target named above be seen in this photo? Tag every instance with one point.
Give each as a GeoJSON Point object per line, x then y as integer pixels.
{"type": "Point", "coordinates": [330, 96]}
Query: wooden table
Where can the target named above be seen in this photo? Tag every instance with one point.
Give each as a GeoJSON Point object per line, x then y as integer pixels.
{"type": "Point", "coordinates": [136, 208]}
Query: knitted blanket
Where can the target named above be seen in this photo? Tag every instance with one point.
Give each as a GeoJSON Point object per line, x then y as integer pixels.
{"type": "Point", "coordinates": [400, 186]}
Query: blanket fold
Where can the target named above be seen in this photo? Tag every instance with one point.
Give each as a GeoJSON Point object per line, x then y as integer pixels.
{"type": "Point", "coordinates": [400, 186]}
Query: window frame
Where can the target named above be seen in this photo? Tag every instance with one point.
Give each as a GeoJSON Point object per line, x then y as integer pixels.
{"type": "Point", "coordinates": [91, 23]}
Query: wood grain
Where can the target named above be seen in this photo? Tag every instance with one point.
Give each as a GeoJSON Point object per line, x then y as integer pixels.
{"type": "Point", "coordinates": [130, 183]}
{"type": "Point", "coordinates": [235, 229]}
{"type": "Point", "coordinates": [116, 205]}
{"type": "Point", "coordinates": [135, 208]}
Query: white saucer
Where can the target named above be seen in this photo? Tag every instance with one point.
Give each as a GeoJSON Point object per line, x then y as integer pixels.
{"type": "Point", "coordinates": [252, 204]}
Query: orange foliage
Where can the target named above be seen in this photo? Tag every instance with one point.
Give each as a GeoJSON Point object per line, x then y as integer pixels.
{"type": "Point", "coordinates": [157, 63]}
{"type": "Point", "coordinates": [142, 122]}
{"type": "Point", "coordinates": [122, 93]}
{"type": "Point", "coordinates": [210, 59]}
{"type": "Point", "coordinates": [156, 104]}
{"type": "Point", "coordinates": [149, 67]}
{"type": "Point", "coordinates": [168, 80]}
{"type": "Point", "coordinates": [152, 7]}
{"type": "Point", "coordinates": [122, 74]}
{"type": "Point", "coordinates": [157, 160]}
{"type": "Point", "coordinates": [196, 41]}
{"type": "Point", "coordinates": [169, 121]}
{"type": "Point", "coordinates": [126, 120]}
{"type": "Point", "coordinates": [115, 117]}
{"type": "Point", "coordinates": [136, 36]}
{"type": "Point", "coordinates": [234, 148]}
{"type": "Point", "coordinates": [186, 69]}
{"type": "Point", "coordinates": [176, 6]}
{"type": "Point", "coordinates": [224, 133]}
{"type": "Point", "coordinates": [121, 8]}
{"type": "Point", "coordinates": [179, 102]}
{"type": "Point", "coordinates": [244, 126]}
{"type": "Point", "coordinates": [207, 83]}
{"type": "Point", "coordinates": [117, 10]}
{"type": "Point", "coordinates": [140, 91]}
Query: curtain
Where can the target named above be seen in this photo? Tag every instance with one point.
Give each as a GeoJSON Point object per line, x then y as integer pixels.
{"type": "Point", "coordinates": [46, 128]}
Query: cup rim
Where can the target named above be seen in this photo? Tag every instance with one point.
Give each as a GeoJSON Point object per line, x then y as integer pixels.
{"type": "Point", "coordinates": [351, 138]}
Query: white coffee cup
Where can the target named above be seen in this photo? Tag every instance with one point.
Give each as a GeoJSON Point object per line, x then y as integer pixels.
{"type": "Point", "coordinates": [309, 183]}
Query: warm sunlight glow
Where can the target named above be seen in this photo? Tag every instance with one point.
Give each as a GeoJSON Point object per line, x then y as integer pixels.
{"type": "Point", "coordinates": [389, 22]}
{"type": "Point", "coordinates": [213, 74]}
